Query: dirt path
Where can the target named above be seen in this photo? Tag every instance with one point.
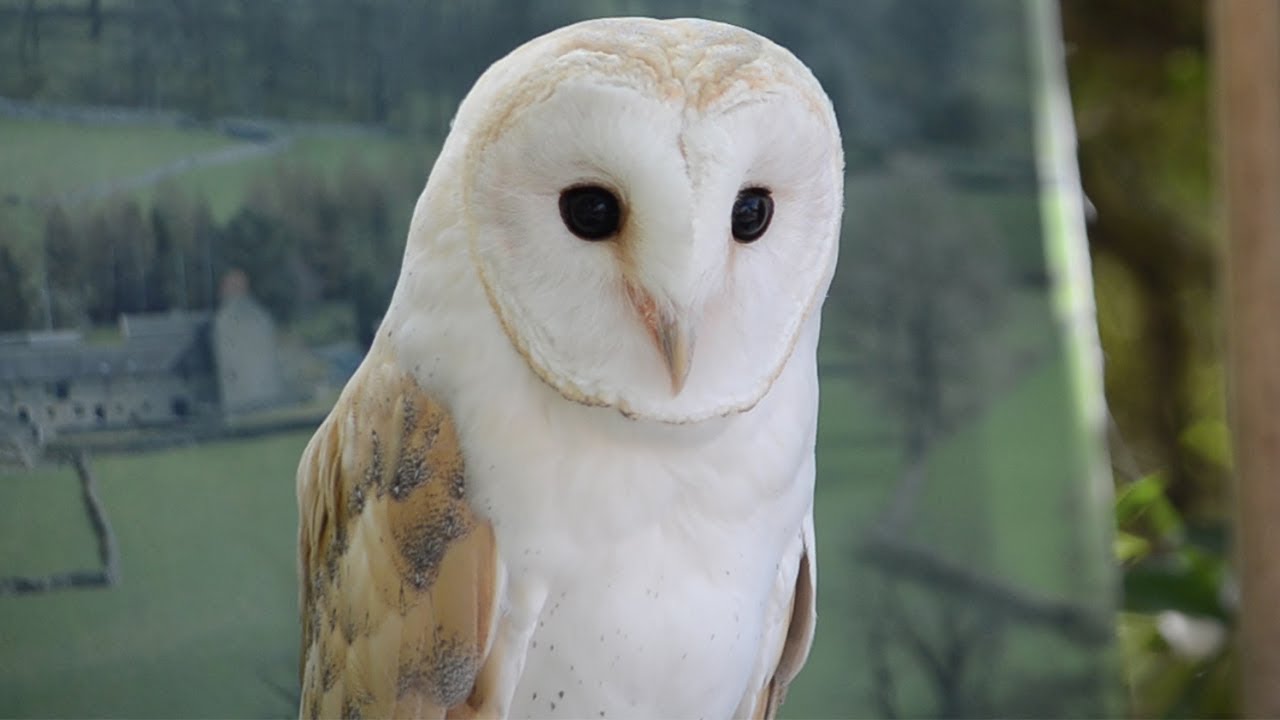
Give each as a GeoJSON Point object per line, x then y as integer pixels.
{"type": "Point", "coordinates": [276, 136]}
{"type": "Point", "coordinates": [187, 163]}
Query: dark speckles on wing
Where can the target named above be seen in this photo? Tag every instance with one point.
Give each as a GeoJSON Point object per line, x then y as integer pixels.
{"type": "Point", "coordinates": [334, 554]}
{"type": "Point", "coordinates": [357, 500]}
{"type": "Point", "coordinates": [385, 522]}
{"type": "Point", "coordinates": [410, 416]}
{"type": "Point", "coordinates": [354, 705]}
{"type": "Point", "coordinates": [446, 674]}
{"type": "Point", "coordinates": [455, 666]}
{"type": "Point", "coordinates": [328, 675]}
{"type": "Point", "coordinates": [373, 475]}
{"type": "Point", "coordinates": [414, 467]}
{"type": "Point", "coordinates": [411, 472]}
{"type": "Point", "coordinates": [352, 627]}
{"type": "Point", "coordinates": [428, 511]}
{"type": "Point", "coordinates": [424, 542]}
{"type": "Point", "coordinates": [457, 485]}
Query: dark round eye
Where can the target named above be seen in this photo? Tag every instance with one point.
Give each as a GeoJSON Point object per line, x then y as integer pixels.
{"type": "Point", "coordinates": [590, 212]}
{"type": "Point", "coordinates": [752, 212]}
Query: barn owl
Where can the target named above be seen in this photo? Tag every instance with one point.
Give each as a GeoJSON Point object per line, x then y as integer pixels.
{"type": "Point", "coordinates": [574, 475]}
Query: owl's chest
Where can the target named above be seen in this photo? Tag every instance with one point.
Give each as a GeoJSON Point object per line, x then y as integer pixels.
{"type": "Point", "coordinates": [663, 617]}
{"type": "Point", "coordinates": [642, 572]}
{"type": "Point", "coordinates": [655, 627]}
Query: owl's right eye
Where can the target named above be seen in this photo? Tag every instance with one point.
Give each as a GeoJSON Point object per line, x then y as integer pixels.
{"type": "Point", "coordinates": [590, 212]}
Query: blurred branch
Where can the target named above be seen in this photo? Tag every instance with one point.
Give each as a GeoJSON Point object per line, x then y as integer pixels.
{"type": "Point", "coordinates": [956, 659]}
{"type": "Point", "coordinates": [913, 562]}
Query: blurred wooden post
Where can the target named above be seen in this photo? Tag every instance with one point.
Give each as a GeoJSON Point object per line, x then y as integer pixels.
{"type": "Point", "coordinates": [1246, 46]}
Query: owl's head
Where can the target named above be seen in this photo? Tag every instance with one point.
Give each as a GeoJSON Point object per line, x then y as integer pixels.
{"type": "Point", "coordinates": [653, 208]}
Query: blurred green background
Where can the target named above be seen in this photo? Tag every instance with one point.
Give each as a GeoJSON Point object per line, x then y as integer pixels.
{"type": "Point", "coordinates": [146, 149]}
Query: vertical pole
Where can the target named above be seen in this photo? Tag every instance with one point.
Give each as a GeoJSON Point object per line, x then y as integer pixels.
{"type": "Point", "coordinates": [1246, 46]}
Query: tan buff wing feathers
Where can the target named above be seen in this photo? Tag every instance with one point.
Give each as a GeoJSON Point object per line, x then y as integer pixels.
{"type": "Point", "coordinates": [398, 573]}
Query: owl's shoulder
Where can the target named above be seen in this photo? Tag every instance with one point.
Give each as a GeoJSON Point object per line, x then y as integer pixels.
{"type": "Point", "coordinates": [394, 562]}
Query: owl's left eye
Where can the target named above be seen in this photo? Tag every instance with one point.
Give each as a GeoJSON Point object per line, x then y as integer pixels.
{"type": "Point", "coordinates": [752, 212]}
{"type": "Point", "coordinates": [590, 212]}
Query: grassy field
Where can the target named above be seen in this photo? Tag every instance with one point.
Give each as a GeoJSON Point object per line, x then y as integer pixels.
{"type": "Point", "coordinates": [202, 623]}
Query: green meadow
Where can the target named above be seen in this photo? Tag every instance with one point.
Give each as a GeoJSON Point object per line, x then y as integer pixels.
{"type": "Point", "coordinates": [202, 622]}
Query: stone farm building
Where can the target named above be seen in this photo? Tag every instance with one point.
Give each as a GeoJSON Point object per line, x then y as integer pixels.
{"type": "Point", "coordinates": [166, 368]}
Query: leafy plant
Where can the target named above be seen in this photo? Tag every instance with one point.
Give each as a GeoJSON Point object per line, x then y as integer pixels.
{"type": "Point", "coordinates": [1176, 628]}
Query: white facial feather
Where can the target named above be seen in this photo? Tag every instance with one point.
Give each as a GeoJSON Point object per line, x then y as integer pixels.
{"type": "Point", "coordinates": [675, 118]}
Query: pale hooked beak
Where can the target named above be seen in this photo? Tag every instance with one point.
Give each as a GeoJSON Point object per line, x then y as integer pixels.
{"type": "Point", "coordinates": [673, 335]}
{"type": "Point", "coordinates": [675, 342]}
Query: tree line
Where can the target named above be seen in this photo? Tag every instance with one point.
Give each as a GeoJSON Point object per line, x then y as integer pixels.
{"type": "Point", "coordinates": [901, 73]}
{"type": "Point", "coordinates": [301, 237]}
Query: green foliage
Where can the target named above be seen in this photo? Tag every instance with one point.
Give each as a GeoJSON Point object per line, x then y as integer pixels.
{"type": "Point", "coordinates": [1139, 79]}
{"type": "Point", "coordinates": [1163, 683]}
{"type": "Point", "coordinates": [325, 322]}
{"type": "Point", "coordinates": [14, 304]}
{"type": "Point", "coordinates": [347, 234]}
{"type": "Point", "coordinates": [1139, 82]}
{"type": "Point", "coordinates": [892, 96]}
{"type": "Point", "coordinates": [66, 266]}
{"type": "Point", "coordinates": [265, 251]}
{"type": "Point", "coordinates": [1143, 504]}
{"type": "Point", "coordinates": [1179, 608]}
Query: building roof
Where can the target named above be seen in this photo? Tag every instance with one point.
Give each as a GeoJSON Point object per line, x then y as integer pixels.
{"type": "Point", "coordinates": [140, 325]}
{"type": "Point", "coordinates": [40, 337]}
{"type": "Point", "coordinates": [151, 353]}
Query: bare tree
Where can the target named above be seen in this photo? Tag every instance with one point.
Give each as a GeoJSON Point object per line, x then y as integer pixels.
{"type": "Point", "coordinates": [922, 286]}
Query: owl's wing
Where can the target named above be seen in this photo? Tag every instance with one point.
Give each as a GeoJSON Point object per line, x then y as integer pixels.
{"type": "Point", "coordinates": [799, 622]}
{"type": "Point", "coordinates": [399, 576]}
